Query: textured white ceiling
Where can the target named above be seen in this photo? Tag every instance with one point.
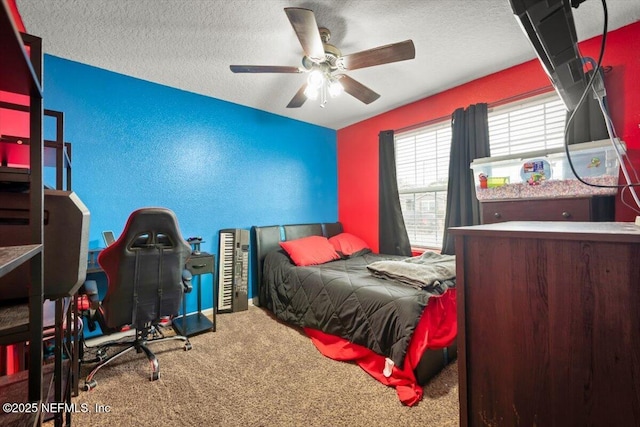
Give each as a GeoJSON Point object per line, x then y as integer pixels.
{"type": "Point", "coordinates": [189, 44]}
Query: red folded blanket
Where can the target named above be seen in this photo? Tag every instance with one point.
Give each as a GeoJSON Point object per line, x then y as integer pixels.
{"type": "Point", "coordinates": [436, 329]}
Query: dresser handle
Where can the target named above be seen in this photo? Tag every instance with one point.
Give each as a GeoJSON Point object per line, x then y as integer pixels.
{"type": "Point", "coordinates": [566, 214]}
{"type": "Point", "coordinates": [497, 215]}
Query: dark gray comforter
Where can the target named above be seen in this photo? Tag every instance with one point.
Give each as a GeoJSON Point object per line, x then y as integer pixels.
{"type": "Point", "coordinates": [342, 298]}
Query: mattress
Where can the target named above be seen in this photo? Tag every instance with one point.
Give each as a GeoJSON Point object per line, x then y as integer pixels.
{"type": "Point", "coordinates": [342, 298]}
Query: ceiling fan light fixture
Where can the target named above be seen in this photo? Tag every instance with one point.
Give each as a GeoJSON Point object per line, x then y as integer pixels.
{"type": "Point", "coordinates": [335, 88]}
{"type": "Point", "coordinates": [316, 79]}
{"type": "Point", "coordinates": [322, 59]}
{"type": "Point", "coordinates": [311, 93]}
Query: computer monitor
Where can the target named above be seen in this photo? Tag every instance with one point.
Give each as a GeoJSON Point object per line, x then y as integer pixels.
{"type": "Point", "coordinates": [66, 242]}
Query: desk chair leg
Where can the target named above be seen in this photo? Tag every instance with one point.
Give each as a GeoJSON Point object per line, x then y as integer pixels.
{"type": "Point", "coordinates": [138, 345]}
{"type": "Point", "coordinates": [187, 343]}
{"type": "Point", "coordinates": [153, 360]}
{"type": "Point", "coordinates": [155, 367]}
{"type": "Point", "coordinates": [89, 382]}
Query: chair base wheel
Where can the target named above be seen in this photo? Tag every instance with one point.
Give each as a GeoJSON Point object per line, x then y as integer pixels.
{"type": "Point", "coordinates": [155, 375]}
{"type": "Point", "coordinates": [187, 346]}
{"type": "Point", "coordinates": [89, 385]}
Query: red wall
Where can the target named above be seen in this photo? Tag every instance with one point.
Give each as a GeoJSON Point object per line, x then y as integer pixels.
{"type": "Point", "coordinates": [357, 144]}
{"type": "Point", "coordinates": [14, 123]}
{"type": "Point", "coordinates": [17, 19]}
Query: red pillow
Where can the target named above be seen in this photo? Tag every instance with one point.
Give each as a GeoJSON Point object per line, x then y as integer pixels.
{"type": "Point", "coordinates": [310, 250]}
{"type": "Point", "coordinates": [347, 244]}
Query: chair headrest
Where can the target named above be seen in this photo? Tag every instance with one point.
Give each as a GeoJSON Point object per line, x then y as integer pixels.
{"type": "Point", "coordinates": [146, 228]}
{"type": "Point", "coordinates": [156, 227]}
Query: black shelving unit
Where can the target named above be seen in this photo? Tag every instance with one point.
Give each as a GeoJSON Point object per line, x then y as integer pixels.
{"type": "Point", "coordinates": [23, 322]}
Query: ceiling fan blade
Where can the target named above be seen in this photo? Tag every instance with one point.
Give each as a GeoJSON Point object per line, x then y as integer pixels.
{"type": "Point", "coordinates": [304, 24]}
{"type": "Point", "coordinates": [357, 89]}
{"type": "Point", "coordinates": [264, 69]}
{"type": "Point", "coordinates": [380, 55]}
{"type": "Point", "coordinates": [298, 99]}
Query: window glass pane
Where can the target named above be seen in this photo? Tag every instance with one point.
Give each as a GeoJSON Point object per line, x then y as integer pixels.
{"type": "Point", "coordinates": [422, 158]}
{"type": "Point", "coordinates": [422, 168]}
{"type": "Point", "coordinates": [424, 214]}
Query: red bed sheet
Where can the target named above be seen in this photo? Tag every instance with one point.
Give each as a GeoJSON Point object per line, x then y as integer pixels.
{"type": "Point", "coordinates": [436, 329]}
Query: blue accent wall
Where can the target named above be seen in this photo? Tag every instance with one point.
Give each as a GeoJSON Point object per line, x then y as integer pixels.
{"type": "Point", "coordinates": [215, 164]}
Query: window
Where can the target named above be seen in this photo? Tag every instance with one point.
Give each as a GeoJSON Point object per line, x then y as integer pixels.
{"type": "Point", "coordinates": [422, 168]}
{"type": "Point", "coordinates": [528, 125]}
{"type": "Point", "coordinates": [422, 158]}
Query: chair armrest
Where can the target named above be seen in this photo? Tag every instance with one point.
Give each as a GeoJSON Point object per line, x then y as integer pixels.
{"type": "Point", "coordinates": [186, 281]}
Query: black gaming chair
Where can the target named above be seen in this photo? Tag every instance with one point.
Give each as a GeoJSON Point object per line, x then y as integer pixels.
{"type": "Point", "coordinates": [146, 282]}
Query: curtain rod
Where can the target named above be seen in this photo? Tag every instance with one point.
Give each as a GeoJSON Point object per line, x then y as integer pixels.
{"type": "Point", "coordinates": [498, 103]}
{"type": "Point", "coordinates": [521, 96]}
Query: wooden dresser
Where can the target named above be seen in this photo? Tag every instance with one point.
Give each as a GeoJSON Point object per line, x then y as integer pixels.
{"type": "Point", "coordinates": [588, 208]}
{"type": "Point", "coordinates": [549, 324]}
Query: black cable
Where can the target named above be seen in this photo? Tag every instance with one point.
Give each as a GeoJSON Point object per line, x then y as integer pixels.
{"type": "Point", "coordinates": [581, 101]}
{"type": "Point", "coordinates": [583, 98]}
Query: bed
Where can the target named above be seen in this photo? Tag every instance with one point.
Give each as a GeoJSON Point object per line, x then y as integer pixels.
{"type": "Point", "coordinates": [401, 335]}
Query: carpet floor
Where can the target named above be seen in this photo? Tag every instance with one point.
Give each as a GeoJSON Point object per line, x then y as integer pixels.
{"type": "Point", "coordinates": [254, 371]}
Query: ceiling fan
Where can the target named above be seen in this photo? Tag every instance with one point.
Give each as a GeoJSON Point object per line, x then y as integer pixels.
{"type": "Point", "coordinates": [325, 63]}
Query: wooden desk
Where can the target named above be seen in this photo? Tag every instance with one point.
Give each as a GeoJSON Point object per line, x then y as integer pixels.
{"type": "Point", "coordinates": [549, 323]}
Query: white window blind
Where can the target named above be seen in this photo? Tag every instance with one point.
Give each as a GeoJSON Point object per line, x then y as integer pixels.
{"type": "Point", "coordinates": [422, 158]}
{"type": "Point", "coordinates": [528, 125]}
{"type": "Point", "coordinates": [422, 168]}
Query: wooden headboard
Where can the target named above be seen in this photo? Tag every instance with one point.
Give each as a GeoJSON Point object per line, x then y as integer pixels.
{"type": "Point", "coordinates": [268, 238]}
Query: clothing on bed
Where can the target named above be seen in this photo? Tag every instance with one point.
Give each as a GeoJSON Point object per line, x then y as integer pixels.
{"type": "Point", "coordinates": [342, 298]}
{"type": "Point", "coordinates": [430, 271]}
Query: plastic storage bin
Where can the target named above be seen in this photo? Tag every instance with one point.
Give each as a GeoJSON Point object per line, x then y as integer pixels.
{"type": "Point", "coordinates": [546, 174]}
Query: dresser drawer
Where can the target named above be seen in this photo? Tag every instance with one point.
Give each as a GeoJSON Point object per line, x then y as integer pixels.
{"type": "Point", "coordinates": [570, 209]}
{"type": "Point", "coordinates": [200, 264]}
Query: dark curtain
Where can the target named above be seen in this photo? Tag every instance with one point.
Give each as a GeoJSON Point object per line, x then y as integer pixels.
{"type": "Point", "coordinates": [393, 237]}
{"type": "Point", "coordinates": [469, 141]}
